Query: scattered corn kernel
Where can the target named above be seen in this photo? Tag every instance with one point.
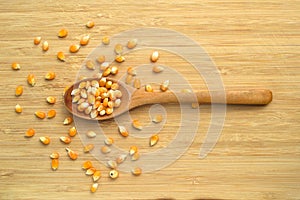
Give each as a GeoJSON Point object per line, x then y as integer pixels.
{"type": "Point", "coordinates": [109, 141]}
{"type": "Point", "coordinates": [136, 171]}
{"type": "Point", "coordinates": [137, 83]}
{"type": "Point", "coordinates": [18, 108]}
{"type": "Point", "coordinates": [54, 164]}
{"type": "Point", "coordinates": [51, 100]}
{"type": "Point", "coordinates": [74, 48]}
{"type": "Point", "coordinates": [65, 139]}
{"type": "Point", "coordinates": [121, 158]}
{"type": "Point", "coordinates": [157, 69]}
{"type": "Point", "coordinates": [90, 65]}
{"type": "Point", "coordinates": [50, 76]}
{"type": "Point", "coordinates": [37, 40]}
{"type": "Point", "coordinates": [135, 156]}
{"type": "Point", "coordinates": [137, 124]}
{"type": "Point", "coordinates": [91, 134]}
{"type": "Point", "coordinates": [68, 120]}
{"type": "Point", "coordinates": [19, 90]}
{"type": "Point", "coordinates": [30, 132]}
{"type": "Point", "coordinates": [105, 40]}
{"type": "Point", "coordinates": [106, 72]}
{"type": "Point", "coordinates": [157, 118]}
{"type": "Point", "coordinates": [72, 154]}
{"type": "Point", "coordinates": [72, 131]}
{"type": "Point", "coordinates": [87, 164]}
{"type": "Point", "coordinates": [96, 175]}
{"type": "Point", "coordinates": [40, 114]}
{"type": "Point", "coordinates": [94, 187]}
{"type": "Point", "coordinates": [31, 79]}
{"type": "Point", "coordinates": [51, 114]}
{"type": "Point", "coordinates": [133, 150]}
{"type": "Point", "coordinates": [105, 149]}
{"type": "Point", "coordinates": [101, 59]}
{"type": "Point", "coordinates": [88, 148]}
{"type": "Point", "coordinates": [118, 48]}
{"type": "Point", "coordinates": [84, 40]}
{"type": "Point", "coordinates": [90, 24]}
{"type": "Point", "coordinates": [62, 33]}
{"type": "Point", "coordinates": [128, 79]}
{"type": "Point", "coordinates": [114, 70]}
{"type": "Point", "coordinates": [54, 155]}
{"type": "Point", "coordinates": [131, 71]}
{"type": "Point", "coordinates": [195, 105]}
{"type": "Point", "coordinates": [15, 66]}
{"type": "Point", "coordinates": [164, 86]}
{"type": "Point", "coordinates": [45, 46]}
{"type": "Point", "coordinates": [123, 131]}
{"type": "Point", "coordinates": [119, 58]}
{"type": "Point", "coordinates": [148, 88]}
{"type": "Point", "coordinates": [45, 140]}
{"type": "Point", "coordinates": [153, 140]}
{"type": "Point", "coordinates": [61, 56]}
{"type": "Point", "coordinates": [154, 56]}
{"type": "Point", "coordinates": [113, 174]}
{"type": "Point", "coordinates": [90, 171]}
{"type": "Point", "coordinates": [132, 43]}
{"type": "Point", "coordinates": [112, 164]}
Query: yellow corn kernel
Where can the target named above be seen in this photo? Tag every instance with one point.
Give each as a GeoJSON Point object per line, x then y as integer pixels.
{"type": "Point", "coordinates": [114, 174]}
{"type": "Point", "coordinates": [88, 148]}
{"type": "Point", "coordinates": [90, 24]}
{"type": "Point", "coordinates": [15, 66]}
{"type": "Point", "coordinates": [51, 114]}
{"type": "Point", "coordinates": [84, 40]}
{"type": "Point", "coordinates": [40, 114]}
{"type": "Point", "coordinates": [121, 158]}
{"type": "Point", "coordinates": [137, 83]}
{"type": "Point", "coordinates": [45, 46]}
{"type": "Point", "coordinates": [87, 164]}
{"type": "Point", "coordinates": [54, 155]}
{"type": "Point", "coordinates": [90, 65]}
{"type": "Point", "coordinates": [136, 171]}
{"type": "Point", "coordinates": [72, 131]}
{"type": "Point", "coordinates": [37, 40]}
{"type": "Point", "coordinates": [65, 139]}
{"type": "Point", "coordinates": [153, 140]}
{"type": "Point", "coordinates": [105, 40]}
{"type": "Point", "coordinates": [105, 149]}
{"type": "Point", "coordinates": [72, 154]}
{"type": "Point", "coordinates": [45, 140]}
{"type": "Point", "coordinates": [96, 175]}
{"type": "Point", "coordinates": [30, 132]}
{"type": "Point", "coordinates": [101, 59]}
{"type": "Point", "coordinates": [61, 56]}
{"type": "Point", "coordinates": [19, 90]}
{"type": "Point", "coordinates": [123, 131]}
{"type": "Point", "coordinates": [74, 48]}
{"type": "Point", "coordinates": [137, 124]}
{"type": "Point", "coordinates": [94, 187]}
{"type": "Point", "coordinates": [18, 108]}
{"type": "Point", "coordinates": [54, 164]}
{"type": "Point", "coordinates": [118, 49]}
{"type": "Point", "coordinates": [135, 156]}
{"type": "Point", "coordinates": [50, 76]}
{"type": "Point", "coordinates": [157, 118]}
{"type": "Point", "coordinates": [31, 79]}
{"type": "Point", "coordinates": [109, 141]}
{"type": "Point", "coordinates": [68, 120]}
{"type": "Point", "coordinates": [157, 69]}
{"type": "Point", "coordinates": [154, 56]}
{"type": "Point", "coordinates": [133, 150]}
{"type": "Point", "coordinates": [148, 88]}
{"type": "Point", "coordinates": [131, 71]}
{"type": "Point", "coordinates": [165, 85]}
{"type": "Point", "coordinates": [119, 58]}
{"type": "Point", "coordinates": [132, 43]}
{"type": "Point", "coordinates": [62, 33]}
{"type": "Point", "coordinates": [128, 79]}
{"type": "Point", "coordinates": [51, 100]}
{"type": "Point", "coordinates": [90, 171]}
{"type": "Point", "coordinates": [106, 72]}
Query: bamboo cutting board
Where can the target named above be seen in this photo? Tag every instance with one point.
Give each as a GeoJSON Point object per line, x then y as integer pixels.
{"type": "Point", "coordinates": [253, 45]}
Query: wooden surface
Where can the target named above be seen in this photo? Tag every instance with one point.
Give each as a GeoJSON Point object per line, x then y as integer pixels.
{"type": "Point", "coordinates": [254, 45]}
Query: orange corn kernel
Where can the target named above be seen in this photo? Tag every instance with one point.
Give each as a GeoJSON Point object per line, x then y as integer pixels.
{"type": "Point", "coordinates": [51, 100]}
{"type": "Point", "coordinates": [37, 40]}
{"type": "Point", "coordinates": [51, 114]}
{"type": "Point", "coordinates": [19, 90]}
{"type": "Point", "coordinates": [72, 131]}
{"type": "Point", "coordinates": [61, 56]}
{"type": "Point", "coordinates": [45, 140]}
{"type": "Point", "coordinates": [50, 76]}
{"type": "Point", "coordinates": [153, 140]}
{"type": "Point", "coordinates": [84, 40]}
{"type": "Point", "coordinates": [72, 154]}
{"type": "Point", "coordinates": [40, 115]}
{"type": "Point", "coordinates": [54, 164]}
{"type": "Point", "coordinates": [30, 132]}
{"type": "Point", "coordinates": [15, 66]}
{"type": "Point", "coordinates": [87, 164]}
{"type": "Point", "coordinates": [74, 48]}
{"type": "Point", "coordinates": [90, 24]}
{"type": "Point", "coordinates": [65, 139]}
{"type": "Point", "coordinates": [18, 108]}
{"type": "Point", "coordinates": [62, 33]}
{"type": "Point", "coordinates": [31, 79]}
{"type": "Point", "coordinates": [45, 46]}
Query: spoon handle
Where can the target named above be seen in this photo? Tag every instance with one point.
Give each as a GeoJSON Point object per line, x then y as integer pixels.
{"type": "Point", "coordinates": [242, 97]}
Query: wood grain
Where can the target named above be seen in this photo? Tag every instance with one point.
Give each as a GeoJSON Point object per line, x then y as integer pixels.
{"type": "Point", "coordinates": [254, 45]}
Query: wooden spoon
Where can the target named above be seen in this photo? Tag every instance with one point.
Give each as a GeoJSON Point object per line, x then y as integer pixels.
{"type": "Point", "coordinates": [132, 98]}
